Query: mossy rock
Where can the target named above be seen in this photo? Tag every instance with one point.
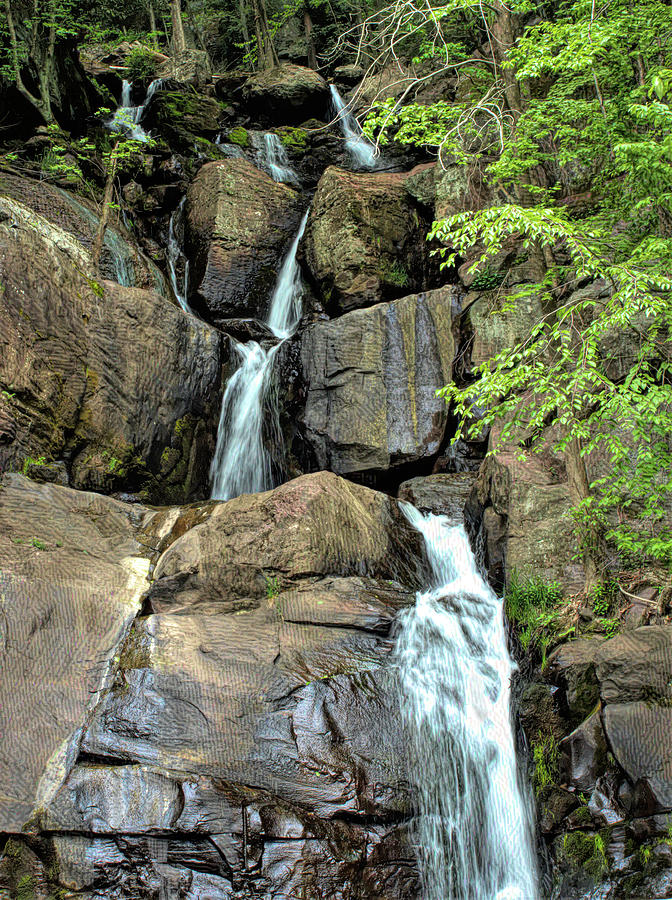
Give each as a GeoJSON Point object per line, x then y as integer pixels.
{"type": "Point", "coordinates": [239, 136]}
{"type": "Point", "coordinates": [585, 851]}
{"type": "Point", "coordinates": [294, 139]}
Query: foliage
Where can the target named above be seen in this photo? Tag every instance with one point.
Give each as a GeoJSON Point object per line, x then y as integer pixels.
{"type": "Point", "coordinates": [29, 461]}
{"type": "Point", "coordinates": [272, 587]}
{"type": "Point", "coordinates": [141, 64]}
{"type": "Point", "coordinates": [535, 607]}
{"type": "Point", "coordinates": [587, 851]}
{"type": "Point", "coordinates": [546, 758]}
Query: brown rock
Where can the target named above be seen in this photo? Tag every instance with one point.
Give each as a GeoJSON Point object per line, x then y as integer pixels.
{"type": "Point", "coordinates": [287, 94]}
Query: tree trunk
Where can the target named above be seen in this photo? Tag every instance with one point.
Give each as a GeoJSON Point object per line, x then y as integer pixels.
{"type": "Point", "coordinates": [108, 196]}
{"type": "Point", "coordinates": [590, 535]}
{"type": "Point", "coordinates": [267, 57]}
{"type": "Point", "coordinates": [179, 42]}
{"type": "Point", "coordinates": [308, 28]}
{"type": "Point", "coordinates": [152, 24]}
{"type": "Point", "coordinates": [42, 103]}
{"type": "Point", "coordinates": [242, 12]}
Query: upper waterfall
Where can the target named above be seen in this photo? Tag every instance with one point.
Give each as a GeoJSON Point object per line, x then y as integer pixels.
{"type": "Point", "coordinates": [241, 463]}
{"type": "Point", "coordinates": [359, 147]}
{"type": "Point", "coordinates": [127, 118]}
{"type": "Point", "coordinates": [275, 160]}
{"type": "Point", "coordinates": [474, 825]}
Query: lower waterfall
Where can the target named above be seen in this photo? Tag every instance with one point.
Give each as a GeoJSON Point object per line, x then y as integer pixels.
{"type": "Point", "coordinates": [241, 464]}
{"type": "Point", "coordinates": [473, 827]}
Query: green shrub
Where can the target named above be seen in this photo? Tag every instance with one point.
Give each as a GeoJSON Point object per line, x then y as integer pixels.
{"type": "Point", "coordinates": [535, 607]}
{"type": "Point", "coordinates": [141, 64]}
{"type": "Point", "coordinates": [272, 587]}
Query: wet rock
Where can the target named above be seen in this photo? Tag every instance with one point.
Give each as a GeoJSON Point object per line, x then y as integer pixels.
{"type": "Point", "coordinates": [572, 666]}
{"type": "Point", "coordinates": [442, 494]}
{"type": "Point", "coordinates": [365, 240]}
{"type": "Point", "coordinates": [287, 94]}
{"type": "Point", "coordinates": [75, 385]}
{"type": "Point", "coordinates": [639, 736]}
{"type": "Point", "coordinates": [554, 805]}
{"type": "Point", "coordinates": [586, 753]}
{"type": "Point", "coordinates": [637, 665]}
{"type": "Point", "coordinates": [239, 223]}
{"type": "Point", "coordinates": [71, 577]}
{"type": "Point", "coordinates": [120, 259]}
{"type": "Point", "coordinates": [183, 118]}
{"type": "Point", "coordinates": [365, 410]}
{"type": "Point", "coordinates": [604, 804]}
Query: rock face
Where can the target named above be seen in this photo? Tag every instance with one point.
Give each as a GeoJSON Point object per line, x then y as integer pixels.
{"type": "Point", "coordinates": [370, 381]}
{"type": "Point", "coordinates": [242, 738]}
{"type": "Point", "coordinates": [287, 94]}
{"type": "Point", "coordinates": [76, 381]}
{"type": "Point", "coordinates": [443, 494]}
{"type": "Point", "coordinates": [365, 240]}
{"type": "Point", "coordinates": [616, 759]}
{"type": "Point", "coordinates": [239, 222]}
{"type": "Point", "coordinates": [120, 259]}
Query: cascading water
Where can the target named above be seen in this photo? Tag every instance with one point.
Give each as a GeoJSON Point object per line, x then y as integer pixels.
{"type": "Point", "coordinates": [178, 264]}
{"type": "Point", "coordinates": [473, 824]}
{"type": "Point", "coordinates": [127, 117]}
{"type": "Point", "coordinates": [241, 464]}
{"type": "Point", "coordinates": [360, 149]}
{"type": "Point", "coordinates": [275, 160]}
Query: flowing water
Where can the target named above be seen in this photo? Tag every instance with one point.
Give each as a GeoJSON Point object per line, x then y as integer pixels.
{"type": "Point", "coordinates": [241, 464]}
{"type": "Point", "coordinates": [127, 117]}
{"type": "Point", "coordinates": [178, 264]}
{"type": "Point", "coordinates": [473, 824]}
{"type": "Point", "coordinates": [361, 150]}
{"type": "Point", "coordinates": [274, 158]}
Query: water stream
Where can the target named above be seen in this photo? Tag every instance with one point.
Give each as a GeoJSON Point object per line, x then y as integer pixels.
{"type": "Point", "coordinates": [361, 150]}
{"type": "Point", "coordinates": [473, 824]}
{"type": "Point", "coordinates": [274, 159]}
{"type": "Point", "coordinates": [127, 118]}
{"type": "Point", "coordinates": [241, 464]}
{"type": "Point", "coordinates": [178, 264]}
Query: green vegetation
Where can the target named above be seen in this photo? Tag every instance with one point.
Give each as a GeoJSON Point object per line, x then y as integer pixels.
{"type": "Point", "coordinates": [545, 757]}
{"type": "Point", "coordinates": [535, 607]}
{"type": "Point", "coordinates": [239, 136]}
{"type": "Point", "coordinates": [395, 273]}
{"type": "Point", "coordinates": [30, 461]}
{"type": "Point", "coordinates": [141, 64]}
{"type": "Point", "coordinates": [295, 139]}
{"type": "Point", "coordinates": [587, 852]}
{"type": "Point", "coordinates": [272, 587]}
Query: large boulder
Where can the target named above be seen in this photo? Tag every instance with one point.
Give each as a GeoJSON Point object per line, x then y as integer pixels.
{"type": "Point", "coordinates": [365, 240]}
{"type": "Point", "coordinates": [287, 94]}
{"type": "Point", "coordinates": [370, 381]}
{"type": "Point", "coordinates": [76, 383]}
{"type": "Point", "coordinates": [239, 222]}
{"type": "Point", "coordinates": [241, 734]}
{"type": "Point", "coordinates": [120, 258]}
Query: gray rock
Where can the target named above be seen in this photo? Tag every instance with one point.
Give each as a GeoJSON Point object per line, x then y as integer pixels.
{"type": "Point", "coordinates": [443, 494]}
{"type": "Point", "coordinates": [370, 381]}
{"type": "Point", "coordinates": [586, 753]}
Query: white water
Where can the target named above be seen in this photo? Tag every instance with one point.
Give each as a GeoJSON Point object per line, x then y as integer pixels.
{"type": "Point", "coordinates": [241, 464]}
{"type": "Point", "coordinates": [178, 264]}
{"type": "Point", "coordinates": [473, 824]}
{"type": "Point", "coordinates": [275, 160]}
{"type": "Point", "coordinates": [127, 117]}
{"type": "Point", "coordinates": [361, 150]}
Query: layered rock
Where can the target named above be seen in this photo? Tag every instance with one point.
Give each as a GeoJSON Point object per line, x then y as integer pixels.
{"type": "Point", "coordinates": [442, 494]}
{"type": "Point", "coordinates": [120, 259]}
{"type": "Point", "coordinates": [612, 789]}
{"type": "Point", "coordinates": [239, 222]}
{"type": "Point", "coordinates": [116, 381]}
{"type": "Point", "coordinates": [370, 380]}
{"type": "Point", "coordinates": [242, 738]}
{"type": "Point", "coordinates": [287, 94]}
{"type": "Point", "coordinates": [365, 240]}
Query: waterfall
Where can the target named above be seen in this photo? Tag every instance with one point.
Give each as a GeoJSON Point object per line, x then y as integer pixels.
{"type": "Point", "coordinates": [275, 160]}
{"type": "Point", "coordinates": [473, 824]}
{"type": "Point", "coordinates": [127, 117]}
{"type": "Point", "coordinates": [241, 464]}
{"type": "Point", "coordinates": [178, 264]}
{"type": "Point", "coordinates": [360, 149]}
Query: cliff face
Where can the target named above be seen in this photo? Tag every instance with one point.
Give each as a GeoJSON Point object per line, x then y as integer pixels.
{"type": "Point", "coordinates": [197, 700]}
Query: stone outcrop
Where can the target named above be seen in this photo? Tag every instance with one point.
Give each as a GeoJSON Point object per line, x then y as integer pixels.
{"type": "Point", "coordinates": [443, 494]}
{"type": "Point", "coordinates": [613, 784]}
{"type": "Point", "coordinates": [370, 380]}
{"type": "Point", "coordinates": [365, 240]}
{"type": "Point", "coordinates": [240, 735]}
{"type": "Point", "coordinates": [287, 94]}
{"type": "Point", "coordinates": [115, 381]}
{"type": "Point", "coordinates": [120, 258]}
{"type": "Point", "coordinates": [239, 222]}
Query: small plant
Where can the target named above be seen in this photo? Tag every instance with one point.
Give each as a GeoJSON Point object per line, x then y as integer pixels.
{"type": "Point", "coordinates": [487, 280]}
{"type": "Point", "coordinates": [38, 544]}
{"type": "Point", "coordinates": [396, 274]}
{"type": "Point", "coordinates": [8, 395]}
{"type": "Point", "coordinates": [272, 587]}
{"type": "Point", "coordinates": [29, 461]}
{"type": "Point", "coordinates": [534, 606]}
{"type": "Point", "coordinates": [545, 755]}
{"type": "Point", "coordinates": [602, 597]}
{"type": "Point", "coordinates": [141, 64]}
